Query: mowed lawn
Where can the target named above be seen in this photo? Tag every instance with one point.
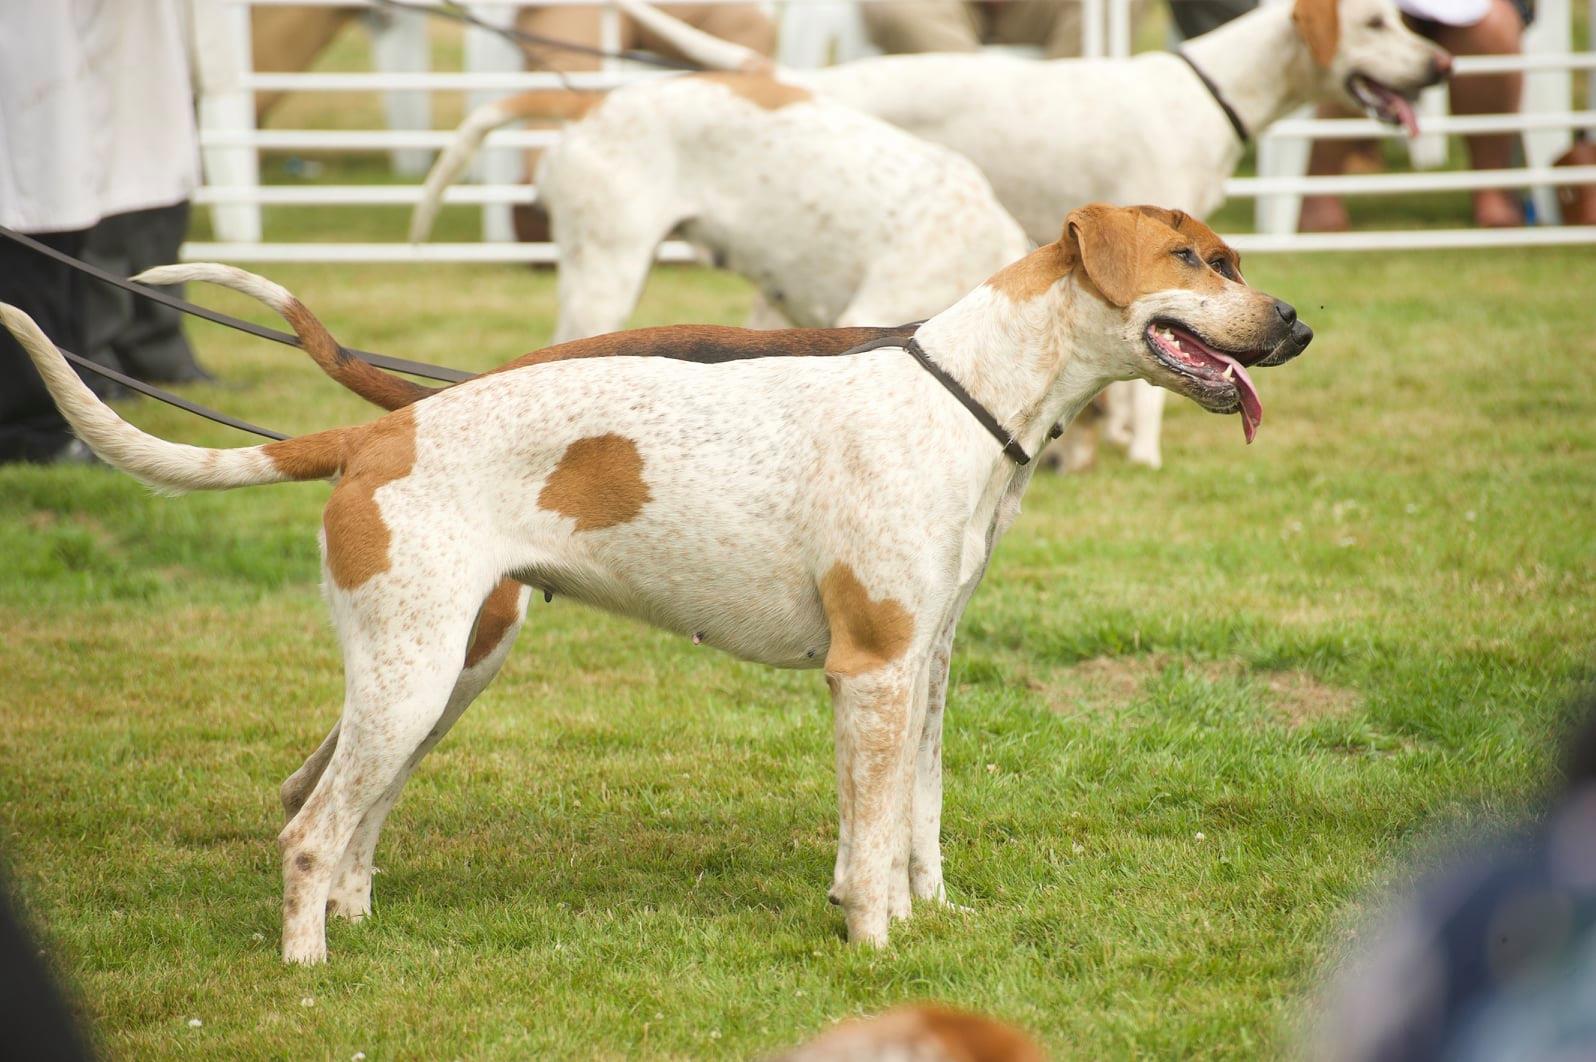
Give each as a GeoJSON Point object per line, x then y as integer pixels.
{"type": "Point", "coordinates": [1196, 715]}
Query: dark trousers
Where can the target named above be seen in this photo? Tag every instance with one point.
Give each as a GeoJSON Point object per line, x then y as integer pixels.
{"type": "Point", "coordinates": [141, 337]}
{"type": "Point", "coordinates": [31, 429]}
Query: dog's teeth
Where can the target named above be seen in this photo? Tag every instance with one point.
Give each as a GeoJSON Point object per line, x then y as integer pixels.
{"type": "Point", "coordinates": [1229, 369]}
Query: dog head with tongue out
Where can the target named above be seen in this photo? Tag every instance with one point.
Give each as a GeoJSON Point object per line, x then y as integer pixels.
{"type": "Point", "coordinates": [1363, 53]}
{"type": "Point", "coordinates": [1171, 291]}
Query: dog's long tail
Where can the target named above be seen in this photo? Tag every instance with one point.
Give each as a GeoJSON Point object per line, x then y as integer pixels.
{"type": "Point", "coordinates": [539, 103]}
{"type": "Point", "coordinates": [167, 466]}
{"type": "Point", "coordinates": [704, 49]}
{"type": "Point", "coordinates": [363, 378]}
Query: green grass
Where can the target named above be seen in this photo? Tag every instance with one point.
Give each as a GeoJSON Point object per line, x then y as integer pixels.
{"type": "Point", "coordinates": [1310, 651]}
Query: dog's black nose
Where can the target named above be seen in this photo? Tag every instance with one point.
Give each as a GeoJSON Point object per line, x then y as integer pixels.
{"type": "Point", "coordinates": [1287, 312]}
{"type": "Point", "coordinates": [1301, 334]}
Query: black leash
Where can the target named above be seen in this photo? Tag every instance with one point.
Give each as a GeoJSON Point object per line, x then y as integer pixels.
{"type": "Point", "coordinates": [168, 397]}
{"type": "Point", "coordinates": [893, 337]}
{"type": "Point", "coordinates": [528, 41]}
{"type": "Point", "coordinates": [404, 365]}
{"type": "Point", "coordinates": [1219, 97]}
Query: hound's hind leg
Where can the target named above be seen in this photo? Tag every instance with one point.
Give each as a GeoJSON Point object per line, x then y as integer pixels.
{"type": "Point", "coordinates": [402, 650]}
{"type": "Point", "coordinates": [498, 622]}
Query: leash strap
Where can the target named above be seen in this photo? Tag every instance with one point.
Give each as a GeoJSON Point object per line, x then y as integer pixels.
{"type": "Point", "coordinates": [533, 40]}
{"type": "Point", "coordinates": [1219, 97]}
{"type": "Point", "coordinates": [414, 368]}
{"type": "Point", "coordinates": [168, 397]}
{"type": "Point", "coordinates": [1011, 446]}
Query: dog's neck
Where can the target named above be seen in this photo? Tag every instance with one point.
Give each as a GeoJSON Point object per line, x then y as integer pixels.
{"type": "Point", "coordinates": [1260, 64]}
{"type": "Point", "coordinates": [1020, 358]}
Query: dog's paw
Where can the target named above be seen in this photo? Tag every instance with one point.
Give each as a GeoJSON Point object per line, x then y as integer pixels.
{"type": "Point", "coordinates": [304, 950]}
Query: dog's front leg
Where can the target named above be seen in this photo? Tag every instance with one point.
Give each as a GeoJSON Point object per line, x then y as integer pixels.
{"type": "Point", "coordinates": [876, 727]}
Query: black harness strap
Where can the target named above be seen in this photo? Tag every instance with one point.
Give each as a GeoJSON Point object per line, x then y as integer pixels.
{"type": "Point", "coordinates": [1011, 446]}
{"type": "Point", "coordinates": [414, 368]}
{"type": "Point", "coordinates": [1219, 97]}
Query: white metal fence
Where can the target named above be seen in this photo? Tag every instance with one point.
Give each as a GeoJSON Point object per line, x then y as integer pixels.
{"type": "Point", "coordinates": [232, 146]}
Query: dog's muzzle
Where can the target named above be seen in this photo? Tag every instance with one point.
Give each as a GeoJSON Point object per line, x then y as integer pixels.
{"type": "Point", "coordinates": [1295, 341]}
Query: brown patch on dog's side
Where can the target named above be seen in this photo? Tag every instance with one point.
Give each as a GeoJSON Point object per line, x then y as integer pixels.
{"type": "Point", "coordinates": [865, 633]}
{"type": "Point", "coordinates": [499, 613]}
{"type": "Point", "coordinates": [598, 483]}
{"type": "Point", "coordinates": [305, 861]}
{"type": "Point", "coordinates": [1319, 24]}
{"type": "Point", "coordinates": [357, 537]}
{"type": "Point", "coordinates": [762, 91]}
{"type": "Point", "coordinates": [1033, 274]}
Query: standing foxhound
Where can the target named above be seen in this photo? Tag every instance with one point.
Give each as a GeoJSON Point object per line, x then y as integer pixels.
{"type": "Point", "coordinates": [837, 218]}
{"type": "Point", "coordinates": [1154, 128]}
{"type": "Point", "coordinates": [805, 512]}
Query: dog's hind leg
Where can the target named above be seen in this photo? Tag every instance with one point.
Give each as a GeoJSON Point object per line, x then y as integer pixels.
{"type": "Point", "coordinates": [498, 623]}
{"type": "Point", "coordinates": [402, 651]}
{"type": "Point", "coordinates": [296, 788]}
{"type": "Point", "coordinates": [604, 262]}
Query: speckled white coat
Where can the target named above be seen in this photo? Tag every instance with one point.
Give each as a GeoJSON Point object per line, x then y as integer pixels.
{"type": "Point", "coordinates": [837, 218]}
{"type": "Point", "coordinates": [753, 482]}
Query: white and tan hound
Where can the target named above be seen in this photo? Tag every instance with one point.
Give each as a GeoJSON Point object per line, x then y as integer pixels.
{"type": "Point", "coordinates": [805, 512]}
{"type": "Point", "coordinates": [1052, 135]}
{"type": "Point", "coordinates": [836, 217]}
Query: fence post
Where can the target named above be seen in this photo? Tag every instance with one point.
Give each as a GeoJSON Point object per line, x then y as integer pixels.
{"type": "Point", "coordinates": [1548, 90]}
{"type": "Point", "coordinates": [222, 57]}
{"type": "Point", "coordinates": [487, 52]}
{"type": "Point", "coordinates": [399, 44]}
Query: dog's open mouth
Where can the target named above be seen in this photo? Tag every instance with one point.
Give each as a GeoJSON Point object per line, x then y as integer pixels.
{"type": "Point", "coordinates": [1188, 355]}
{"type": "Point", "coordinates": [1383, 103]}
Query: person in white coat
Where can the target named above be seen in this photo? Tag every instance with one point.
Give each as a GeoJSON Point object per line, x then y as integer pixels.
{"type": "Point", "coordinates": [96, 122]}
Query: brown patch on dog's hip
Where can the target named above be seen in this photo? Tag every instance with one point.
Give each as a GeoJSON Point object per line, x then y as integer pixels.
{"type": "Point", "coordinates": [865, 633]}
{"type": "Point", "coordinates": [598, 483]}
{"type": "Point", "coordinates": [499, 613]}
{"type": "Point", "coordinates": [357, 537]}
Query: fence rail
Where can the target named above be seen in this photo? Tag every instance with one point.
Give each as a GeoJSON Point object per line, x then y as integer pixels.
{"type": "Point", "coordinates": [233, 146]}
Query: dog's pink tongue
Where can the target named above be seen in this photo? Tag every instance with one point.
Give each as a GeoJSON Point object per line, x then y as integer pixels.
{"type": "Point", "coordinates": [1406, 114]}
{"type": "Point", "coordinates": [1251, 407]}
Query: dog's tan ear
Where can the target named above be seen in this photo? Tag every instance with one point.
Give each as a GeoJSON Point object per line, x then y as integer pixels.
{"type": "Point", "coordinates": [1173, 218]}
{"type": "Point", "coordinates": [1319, 25]}
{"type": "Point", "coordinates": [1103, 239]}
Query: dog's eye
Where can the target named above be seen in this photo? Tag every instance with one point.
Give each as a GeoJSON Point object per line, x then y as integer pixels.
{"type": "Point", "coordinates": [1376, 22]}
{"type": "Point", "coordinates": [1222, 267]}
{"type": "Point", "coordinates": [1187, 256]}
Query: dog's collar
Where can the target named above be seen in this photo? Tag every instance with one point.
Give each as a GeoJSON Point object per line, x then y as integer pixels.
{"type": "Point", "coordinates": [1219, 97]}
{"type": "Point", "coordinates": [1011, 445]}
